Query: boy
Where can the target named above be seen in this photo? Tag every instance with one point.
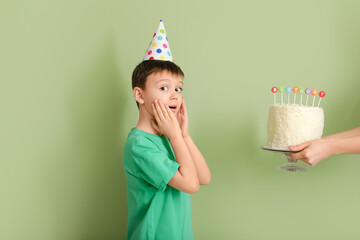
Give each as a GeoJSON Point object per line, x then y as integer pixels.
{"type": "Point", "coordinates": [162, 164]}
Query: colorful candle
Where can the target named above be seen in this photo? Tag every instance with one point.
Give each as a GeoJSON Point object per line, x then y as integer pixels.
{"type": "Point", "coordinates": [288, 90]}
{"type": "Point", "coordinates": [274, 90]}
{"type": "Point", "coordinates": [314, 93]}
{"type": "Point", "coordinates": [321, 95]}
{"type": "Point", "coordinates": [307, 91]}
{"type": "Point", "coordinates": [295, 90]}
{"type": "Point", "coordinates": [302, 91]}
{"type": "Point", "coordinates": [281, 90]}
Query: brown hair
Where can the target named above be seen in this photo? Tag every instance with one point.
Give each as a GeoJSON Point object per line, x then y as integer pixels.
{"type": "Point", "coordinates": [146, 68]}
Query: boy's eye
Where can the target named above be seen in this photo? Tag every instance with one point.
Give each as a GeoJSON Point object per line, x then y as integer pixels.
{"type": "Point", "coordinates": [164, 88]}
{"type": "Point", "coordinates": [178, 90]}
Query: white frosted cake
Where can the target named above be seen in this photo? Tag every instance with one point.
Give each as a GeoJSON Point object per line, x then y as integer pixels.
{"type": "Point", "coordinates": [293, 124]}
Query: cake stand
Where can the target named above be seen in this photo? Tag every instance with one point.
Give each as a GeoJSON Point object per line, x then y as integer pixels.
{"type": "Point", "coordinates": [292, 165]}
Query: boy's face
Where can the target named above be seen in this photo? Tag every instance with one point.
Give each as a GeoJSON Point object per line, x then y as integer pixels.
{"type": "Point", "coordinates": [165, 87]}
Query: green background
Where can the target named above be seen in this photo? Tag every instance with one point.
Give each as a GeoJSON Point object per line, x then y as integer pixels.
{"type": "Point", "coordinates": [66, 107]}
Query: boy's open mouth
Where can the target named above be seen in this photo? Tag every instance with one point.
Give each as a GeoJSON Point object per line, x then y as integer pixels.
{"type": "Point", "coordinates": [172, 107]}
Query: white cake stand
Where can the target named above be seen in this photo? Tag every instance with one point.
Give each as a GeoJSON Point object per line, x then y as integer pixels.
{"type": "Point", "coordinates": [292, 165]}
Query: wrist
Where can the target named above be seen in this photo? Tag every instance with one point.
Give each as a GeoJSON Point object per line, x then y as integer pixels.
{"type": "Point", "coordinates": [175, 135]}
{"type": "Point", "coordinates": [333, 146]}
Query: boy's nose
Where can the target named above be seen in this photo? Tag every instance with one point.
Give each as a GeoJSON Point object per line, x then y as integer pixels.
{"type": "Point", "coordinates": [173, 96]}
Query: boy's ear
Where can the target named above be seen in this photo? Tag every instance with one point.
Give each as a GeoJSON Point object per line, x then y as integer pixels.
{"type": "Point", "coordinates": [138, 95]}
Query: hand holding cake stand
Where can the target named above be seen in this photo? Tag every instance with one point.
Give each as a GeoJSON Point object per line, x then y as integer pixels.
{"type": "Point", "coordinates": [293, 123]}
{"type": "Point", "coordinates": [292, 165]}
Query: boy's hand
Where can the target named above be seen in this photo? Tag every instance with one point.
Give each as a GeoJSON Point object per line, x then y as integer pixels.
{"type": "Point", "coordinates": [166, 122]}
{"type": "Point", "coordinates": [182, 118]}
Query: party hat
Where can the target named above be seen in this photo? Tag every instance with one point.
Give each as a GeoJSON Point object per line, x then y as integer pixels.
{"type": "Point", "coordinates": [159, 46]}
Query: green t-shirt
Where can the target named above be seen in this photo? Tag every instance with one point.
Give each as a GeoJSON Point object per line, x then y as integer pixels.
{"type": "Point", "coordinates": [155, 209]}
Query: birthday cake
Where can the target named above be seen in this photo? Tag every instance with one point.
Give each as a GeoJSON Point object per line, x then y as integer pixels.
{"type": "Point", "coordinates": [293, 124]}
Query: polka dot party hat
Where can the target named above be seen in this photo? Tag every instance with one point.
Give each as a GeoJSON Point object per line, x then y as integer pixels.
{"type": "Point", "coordinates": [159, 46]}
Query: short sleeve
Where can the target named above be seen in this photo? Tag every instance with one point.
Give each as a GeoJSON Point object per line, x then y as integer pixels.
{"type": "Point", "coordinates": [152, 164]}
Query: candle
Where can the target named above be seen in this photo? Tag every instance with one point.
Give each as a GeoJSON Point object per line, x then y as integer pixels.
{"type": "Point", "coordinates": [288, 90]}
{"type": "Point", "coordinates": [281, 90]}
{"type": "Point", "coordinates": [295, 90]}
{"type": "Point", "coordinates": [321, 95]}
{"type": "Point", "coordinates": [274, 90]}
{"type": "Point", "coordinates": [307, 91]}
{"type": "Point", "coordinates": [314, 93]}
{"type": "Point", "coordinates": [302, 91]}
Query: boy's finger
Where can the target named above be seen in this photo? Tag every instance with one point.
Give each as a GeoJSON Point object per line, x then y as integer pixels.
{"type": "Point", "coordinates": [183, 106]}
{"type": "Point", "coordinates": [169, 112]}
{"type": "Point", "coordinates": [163, 110]}
{"type": "Point", "coordinates": [156, 114]}
{"type": "Point", "coordinates": [181, 109]}
{"type": "Point", "coordinates": [159, 111]}
{"type": "Point", "coordinates": [178, 115]}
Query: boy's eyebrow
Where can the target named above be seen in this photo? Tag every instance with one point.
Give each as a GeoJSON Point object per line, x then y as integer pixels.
{"type": "Point", "coordinates": [166, 79]}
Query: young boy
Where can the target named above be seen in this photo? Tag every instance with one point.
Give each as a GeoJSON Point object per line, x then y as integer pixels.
{"type": "Point", "coordinates": [162, 164]}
